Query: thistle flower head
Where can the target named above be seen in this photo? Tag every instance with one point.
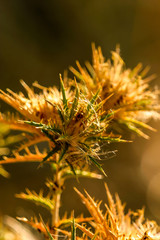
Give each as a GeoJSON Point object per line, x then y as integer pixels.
{"type": "Point", "coordinates": [114, 224]}
{"type": "Point", "coordinates": [131, 97]}
{"type": "Point", "coordinates": [67, 120]}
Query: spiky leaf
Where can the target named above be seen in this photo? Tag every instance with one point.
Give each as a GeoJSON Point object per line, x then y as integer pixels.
{"type": "Point", "coordinates": [51, 153]}
{"type": "Point", "coordinates": [63, 152]}
{"type": "Point", "coordinates": [43, 126]}
{"type": "Point", "coordinates": [97, 164]}
{"type": "Point", "coordinates": [73, 235]}
{"type": "Point", "coordinates": [64, 95]}
{"type": "Point", "coordinates": [82, 173]}
{"type": "Point", "coordinates": [47, 231]}
{"type": "Point", "coordinates": [71, 167]}
{"type": "Point", "coordinates": [75, 103]}
{"type": "Point", "coordinates": [93, 100]}
{"type": "Point", "coordinates": [38, 199]}
{"type": "Point", "coordinates": [108, 139]}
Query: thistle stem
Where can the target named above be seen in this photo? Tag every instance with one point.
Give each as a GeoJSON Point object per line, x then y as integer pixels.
{"type": "Point", "coordinates": [56, 199]}
{"type": "Point", "coordinates": [55, 213]}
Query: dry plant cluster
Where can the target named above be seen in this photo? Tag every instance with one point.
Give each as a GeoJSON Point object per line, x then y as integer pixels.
{"type": "Point", "coordinates": [99, 104]}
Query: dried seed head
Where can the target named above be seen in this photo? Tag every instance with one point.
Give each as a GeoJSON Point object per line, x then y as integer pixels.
{"type": "Point", "coordinates": [131, 97]}
{"type": "Point", "coordinates": [66, 119]}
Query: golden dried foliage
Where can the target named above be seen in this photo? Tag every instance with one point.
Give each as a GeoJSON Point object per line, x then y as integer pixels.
{"type": "Point", "coordinates": [71, 124]}
{"type": "Point", "coordinates": [114, 224]}
{"type": "Point", "coordinates": [131, 99]}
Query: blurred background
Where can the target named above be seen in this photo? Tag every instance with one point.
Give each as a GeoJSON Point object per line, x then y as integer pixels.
{"type": "Point", "coordinates": [38, 40]}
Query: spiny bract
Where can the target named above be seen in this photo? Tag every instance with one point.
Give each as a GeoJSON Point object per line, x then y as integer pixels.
{"type": "Point", "coordinates": [70, 123]}
{"type": "Point", "coordinates": [114, 224]}
{"type": "Point", "coordinates": [130, 96]}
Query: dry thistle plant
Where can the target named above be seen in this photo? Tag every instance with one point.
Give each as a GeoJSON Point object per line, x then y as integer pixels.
{"type": "Point", "coordinates": [73, 122]}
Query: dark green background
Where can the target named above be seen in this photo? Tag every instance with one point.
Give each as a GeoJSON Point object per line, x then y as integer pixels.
{"type": "Point", "coordinates": [38, 40]}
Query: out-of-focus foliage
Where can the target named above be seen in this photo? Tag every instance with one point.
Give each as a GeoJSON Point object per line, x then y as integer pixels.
{"type": "Point", "coordinates": [11, 229]}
